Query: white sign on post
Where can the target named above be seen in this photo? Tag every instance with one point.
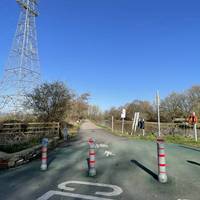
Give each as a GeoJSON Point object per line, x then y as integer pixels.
{"type": "Point", "coordinates": [123, 114]}
{"type": "Point", "coordinates": [135, 122]}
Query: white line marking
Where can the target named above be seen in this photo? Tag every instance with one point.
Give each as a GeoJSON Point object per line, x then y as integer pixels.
{"type": "Point", "coordinates": [101, 146]}
{"type": "Point", "coordinates": [116, 190]}
{"type": "Point", "coordinates": [109, 153]}
{"type": "Point", "coordinates": [182, 199]}
{"type": "Point", "coordinates": [51, 193]}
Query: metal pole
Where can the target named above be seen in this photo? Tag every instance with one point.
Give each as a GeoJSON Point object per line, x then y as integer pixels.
{"type": "Point", "coordinates": [195, 132]}
{"type": "Point", "coordinates": [122, 125]}
{"type": "Point", "coordinates": [133, 125]}
{"type": "Point", "coordinates": [136, 121]}
{"type": "Point", "coordinates": [158, 109]}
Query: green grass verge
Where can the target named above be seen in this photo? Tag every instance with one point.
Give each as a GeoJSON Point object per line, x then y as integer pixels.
{"type": "Point", "coordinates": [176, 139]}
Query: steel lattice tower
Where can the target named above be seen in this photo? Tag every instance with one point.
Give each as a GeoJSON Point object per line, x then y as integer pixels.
{"type": "Point", "coordinates": [22, 70]}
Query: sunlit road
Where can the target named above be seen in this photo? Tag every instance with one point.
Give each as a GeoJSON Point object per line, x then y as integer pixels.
{"type": "Point", "coordinates": [126, 169]}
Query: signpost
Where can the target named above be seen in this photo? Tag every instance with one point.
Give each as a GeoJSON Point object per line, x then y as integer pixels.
{"type": "Point", "coordinates": [195, 132]}
{"type": "Point", "coordinates": [123, 116]}
{"type": "Point", "coordinates": [135, 122]}
{"type": "Point", "coordinates": [192, 119]}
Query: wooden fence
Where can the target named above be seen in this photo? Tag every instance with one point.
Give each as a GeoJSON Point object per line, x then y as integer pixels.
{"type": "Point", "coordinates": [11, 133]}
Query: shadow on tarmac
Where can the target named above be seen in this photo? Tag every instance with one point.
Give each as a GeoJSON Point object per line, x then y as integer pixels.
{"type": "Point", "coordinates": [155, 176]}
{"type": "Point", "coordinates": [50, 160]}
{"type": "Point", "coordinates": [193, 162]}
{"type": "Point", "coordinates": [189, 148]}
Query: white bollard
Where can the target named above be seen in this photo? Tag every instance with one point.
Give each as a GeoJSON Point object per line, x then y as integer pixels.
{"type": "Point", "coordinates": [92, 156]}
{"type": "Point", "coordinates": [44, 154]}
{"type": "Point", "coordinates": [162, 173]}
{"type": "Point", "coordinates": [65, 133]}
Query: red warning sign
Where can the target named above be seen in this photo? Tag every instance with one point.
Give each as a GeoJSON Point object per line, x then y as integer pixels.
{"type": "Point", "coordinates": [192, 119]}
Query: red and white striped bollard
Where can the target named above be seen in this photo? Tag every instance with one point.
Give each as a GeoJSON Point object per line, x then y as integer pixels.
{"type": "Point", "coordinates": [92, 156]}
{"type": "Point", "coordinates": [44, 154]}
{"type": "Point", "coordinates": [162, 173]}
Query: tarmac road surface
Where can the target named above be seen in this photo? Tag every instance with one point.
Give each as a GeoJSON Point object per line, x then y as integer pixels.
{"type": "Point", "coordinates": [126, 169]}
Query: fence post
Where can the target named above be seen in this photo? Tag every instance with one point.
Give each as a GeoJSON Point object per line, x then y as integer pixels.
{"type": "Point", "coordinates": [44, 154]}
{"type": "Point", "coordinates": [162, 173]}
{"type": "Point", "coordinates": [112, 123]}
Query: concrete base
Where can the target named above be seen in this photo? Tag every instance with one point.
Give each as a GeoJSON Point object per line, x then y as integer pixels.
{"type": "Point", "coordinates": [43, 167]}
{"type": "Point", "coordinates": [162, 178]}
{"type": "Point", "coordinates": [92, 172]}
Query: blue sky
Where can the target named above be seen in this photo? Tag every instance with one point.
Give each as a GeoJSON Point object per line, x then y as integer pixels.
{"type": "Point", "coordinates": [118, 50]}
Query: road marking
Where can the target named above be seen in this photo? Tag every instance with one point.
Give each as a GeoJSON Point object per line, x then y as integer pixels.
{"type": "Point", "coordinates": [109, 153]}
{"type": "Point", "coordinates": [182, 199]}
{"type": "Point", "coordinates": [51, 193]}
{"type": "Point", "coordinates": [116, 190]}
{"type": "Point", "coordinates": [101, 146]}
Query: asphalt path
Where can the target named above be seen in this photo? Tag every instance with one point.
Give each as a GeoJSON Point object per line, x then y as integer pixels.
{"type": "Point", "coordinates": [126, 169]}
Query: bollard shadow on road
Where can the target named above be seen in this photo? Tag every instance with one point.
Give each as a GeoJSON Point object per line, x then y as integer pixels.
{"type": "Point", "coordinates": [64, 145]}
{"type": "Point", "coordinates": [189, 148]}
{"type": "Point", "coordinates": [193, 162]}
{"type": "Point", "coordinates": [155, 176]}
{"type": "Point", "coordinates": [51, 159]}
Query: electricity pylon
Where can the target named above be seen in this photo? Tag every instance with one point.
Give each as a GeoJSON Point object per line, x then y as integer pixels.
{"type": "Point", "coordinates": [22, 70]}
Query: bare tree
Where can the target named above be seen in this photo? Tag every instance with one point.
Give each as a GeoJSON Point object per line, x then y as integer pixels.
{"type": "Point", "coordinates": [50, 101]}
{"type": "Point", "coordinates": [193, 99]}
{"type": "Point", "coordinates": [80, 107]}
{"type": "Point", "coordinates": [171, 107]}
{"type": "Point", "coordinates": [94, 112]}
{"type": "Point", "coordinates": [144, 107]}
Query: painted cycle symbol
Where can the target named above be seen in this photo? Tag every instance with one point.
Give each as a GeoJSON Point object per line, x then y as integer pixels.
{"type": "Point", "coordinates": [116, 191]}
